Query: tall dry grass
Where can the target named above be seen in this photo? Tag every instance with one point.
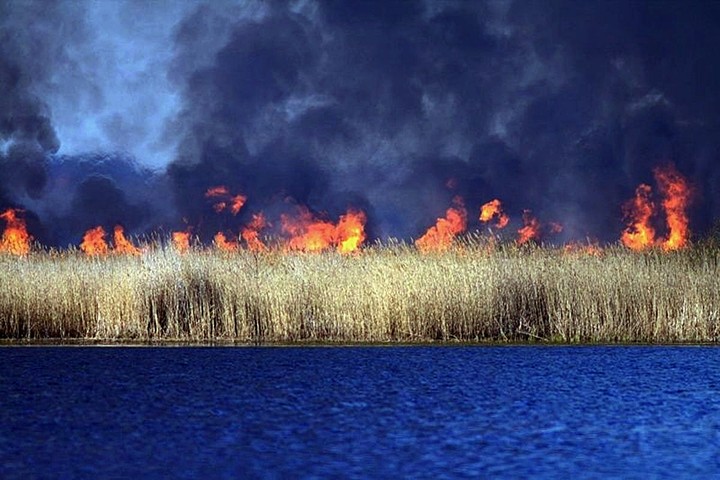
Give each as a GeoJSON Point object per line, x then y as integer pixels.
{"type": "Point", "coordinates": [390, 293]}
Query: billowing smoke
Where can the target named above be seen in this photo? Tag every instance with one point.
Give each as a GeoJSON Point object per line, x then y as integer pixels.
{"type": "Point", "coordinates": [391, 107]}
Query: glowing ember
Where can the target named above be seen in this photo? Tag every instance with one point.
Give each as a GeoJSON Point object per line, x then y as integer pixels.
{"type": "Point", "coordinates": [15, 238]}
{"type": "Point", "coordinates": [350, 231]}
{"type": "Point", "coordinates": [181, 241]}
{"type": "Point", "coordinates": [234, 203]}
{"type": "Point", "coordinates": [440, 236]}
{"type": "Point", "coordinates": [251, 233]}
{"type": "Point", "coordinates": [639, 234]}
{"type": "Point", "coordinates": [493, 210]}
{"type": "Point", "coordinates": [530, 229]}
{"type": "Point", "coordinates": [676, 194]}
{"type": "Point", "coordinates": [122, 244]}
{"type": "Point", "coordinates": [93, 242]}
{"type": "Point", "coordinates": [222, 243]}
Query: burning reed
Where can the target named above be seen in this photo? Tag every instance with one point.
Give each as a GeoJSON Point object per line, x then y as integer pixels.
{"type": "Point", "coordinates": [473, 291]}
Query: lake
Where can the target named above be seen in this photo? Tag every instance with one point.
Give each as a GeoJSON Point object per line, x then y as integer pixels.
{"type": "Point", "coordinates": [357, 412]}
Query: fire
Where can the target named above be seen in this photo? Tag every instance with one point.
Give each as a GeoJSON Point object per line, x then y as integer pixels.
{"type": "Point", "coordinates": [307, 233]}
{"type": "Point", "coordinates": [222, 243]}
{"type": "Point", "coordinates": [530, 229]}
{"type": "Point", "coordinates": [493, 209]}
{"type": "Point", "coordinates": [181, 241]}
{"type": "Point", "coordinates": [592, 249]}
{"type": "Point", "coordinates": [15, 238]}
{"type": "Point", "coordinates": [234, 203]}
{"type": "Point", "coordinates": [350, 231]}
{"type": "Point", "coordinates": [556, 227]}
{"type": "Point", "coordinates": [639, 234]}
{"type": "Point", "coordinates": [122, 244]}
{"type": "Point", "coordinates": [251, 233]}
{"type": "Point", "coordinates": [676, 194]}
{"type": "Point", "coordinates": [440, 236]}
{"type": "Point", "coordinates": [93, 242]}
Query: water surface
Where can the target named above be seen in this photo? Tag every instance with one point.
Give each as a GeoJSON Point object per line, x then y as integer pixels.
{"type": "Point", "coordinates": [414, 412]}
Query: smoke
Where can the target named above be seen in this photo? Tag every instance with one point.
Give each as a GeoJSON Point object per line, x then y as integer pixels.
{"type": "Point", "coordinates": [128, 112]}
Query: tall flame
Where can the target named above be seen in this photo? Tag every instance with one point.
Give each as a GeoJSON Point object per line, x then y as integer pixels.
{"type": "Point", "coordinates": [15, 237]}
{"type": "Point", "coordinates": [493, 210]}
{"type": "Point", "coordinates": [530, 229]}
{"type": "Point", "coordinates": [93, 242]}
{"type": "Point", "coordinates": [222, 243]}
{"type": "Point", "coordinates": [251, 233]}
{"type": "Point", "coordinates": [181, 241]}
{"type": "Point", "coordinates": [350, 231]}
{"type": "Point", "coordinates": [639, 234]}
{"type": "Point", "coordinates": [122, 244]}
{"type": "Point", "coordinates": [676, 194]}
{"type": "Point", "coordinates": [440, 236]}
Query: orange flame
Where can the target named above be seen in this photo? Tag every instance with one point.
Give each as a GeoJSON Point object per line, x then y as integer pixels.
{"type": "Point", "coordinates": [93, 242]}
{"type": "Point", "coordinates": [181, 241]}
{"type": "Point", "coordinates": [639, 234]}
{"type": "Point", "coordinates": [222, 243]}
{"type": "Point", "coordinates": [556, 227]}
{"type": "Point", "coordinates": [307, 233]}
{"type": "Point", "coordinates": [493, 209]}
{"type": "Point", "coordinates": [251, 233]}
{"type": "Point", "coordinates": [530, 230]}
{"type": "Point", "coordinates": [15, 238]}
{"type": "Point", "coordinates": [122, 244]}
{"type": "Point", "coordinates": [676, 194]}
{"type": "Point", "coordinates": [350, 231]}
{"type": "Point", "coordinates": [440, 236]}
{"type": "Point", "coordinates": [219, 191]}
{"type": "Point", "coordinates": [236, 203]}
{"type": "Point", "coordinates": [233, 202]}
{"type": "Point", "coordinates": [592, 249]}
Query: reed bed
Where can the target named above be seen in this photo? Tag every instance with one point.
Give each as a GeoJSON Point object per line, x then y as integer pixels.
{"type": "Point", "coordinates": [475, 292]}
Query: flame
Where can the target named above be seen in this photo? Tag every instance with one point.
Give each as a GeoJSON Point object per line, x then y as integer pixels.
{"type": "Point", "coordinates": [219, 191]}
{"type": "Point", "coordinates": [227, 201]}
{"type": "Point", "coordinates": [493, 209]}
{"type": "Point", "coordinates": [236, 203]}
{"type": "Point", "coordinates": [251, 233]}
{"type": "Point", "coordinates": [222, 243]}
{"type": "Point", "coordinates": [181, 241]}
{"type": "Point", "coordinates": [676, 194]}
{"type": "Point", "coordinates": [556, 227]}
{"type": "Point", "coordinates": [350, 231]}
{"type": "Point", "coordinates": [15, 237]}
{"type": "Point", "coordinates": [440, 236]}
{"type": "Point", "coordinates": [307, 233]}
{"type": "Point", "coordinates": [530, 230]}
{"type": "Point", "coordinates": [122, 244]}
{"type": "Point", "coordinates": [93, 242]}
{"type": "Point", "coordinates": [592, 249]}
{"type": "Point", "coordinates": [639, 234]}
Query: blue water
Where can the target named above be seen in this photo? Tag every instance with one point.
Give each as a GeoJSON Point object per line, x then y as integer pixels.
{"type": "Point", "coordinates": [413, 412]}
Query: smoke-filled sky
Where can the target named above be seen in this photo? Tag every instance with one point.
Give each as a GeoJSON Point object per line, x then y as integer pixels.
{"type": "Point", "coordinates": [126, 112]}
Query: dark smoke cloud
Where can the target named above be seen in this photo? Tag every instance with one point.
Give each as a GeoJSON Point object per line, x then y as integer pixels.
{"type": "Point", "coordinates": [562, 107]}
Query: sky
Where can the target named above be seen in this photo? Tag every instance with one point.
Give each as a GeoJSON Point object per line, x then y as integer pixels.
{"type": "Point", "coordinates": [128, 111]}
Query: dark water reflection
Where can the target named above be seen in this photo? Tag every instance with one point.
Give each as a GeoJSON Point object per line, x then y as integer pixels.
{"type": "Point", "coordinates": [631, 412]}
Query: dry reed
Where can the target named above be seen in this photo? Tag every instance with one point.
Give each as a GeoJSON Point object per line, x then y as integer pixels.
{"type": "Point", "coordinates": [476, 291]}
